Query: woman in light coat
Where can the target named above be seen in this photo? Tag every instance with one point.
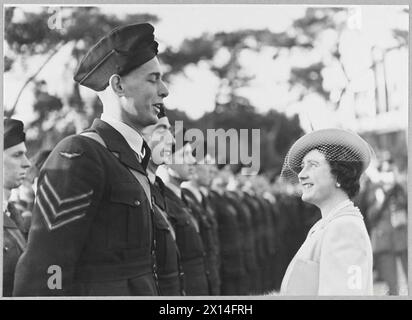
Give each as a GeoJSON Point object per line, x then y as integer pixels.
{"type": "Point", "coordinates": [336, 257]}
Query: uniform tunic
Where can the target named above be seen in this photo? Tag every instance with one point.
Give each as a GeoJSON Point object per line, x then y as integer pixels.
{"type": "Point", "coordinates": [189, 243]}
{"type": "Point", "coordinates": [14, 244]}
{"type": "Point", "coordinates": [92, 223]}
{"type": "Point", "coordinates": [270, 243]}
{"type": "Point", "coordinates": [260, 245]}
{"type": "Point", "coordinates": [169, 268]}
{"type": "Point", "coordinates": [232, 257]}
{"type": "Point", "coordinates": [208, 238]}
{"type": "Point", "coordinates": [211, 213]}
{"type": "Point", "coordinates": [248, 242]}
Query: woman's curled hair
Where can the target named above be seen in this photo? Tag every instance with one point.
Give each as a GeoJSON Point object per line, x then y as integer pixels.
{"type": "Point", "coordinates": [346, 167]}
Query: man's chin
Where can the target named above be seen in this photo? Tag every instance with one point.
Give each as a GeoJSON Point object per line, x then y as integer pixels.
{"type": "Point", "coordinates": [153, 120]}
{"type": "Point", "coordinates": [149, 122]}
{"type": "Point", "coordinates": [17, 184]}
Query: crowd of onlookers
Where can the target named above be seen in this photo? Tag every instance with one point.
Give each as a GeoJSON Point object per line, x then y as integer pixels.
{"type": "Point", "coordinates": [383, 201]}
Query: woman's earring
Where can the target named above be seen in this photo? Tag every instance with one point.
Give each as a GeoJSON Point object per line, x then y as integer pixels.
{"type": "Point", "coordinates": [337, 185]}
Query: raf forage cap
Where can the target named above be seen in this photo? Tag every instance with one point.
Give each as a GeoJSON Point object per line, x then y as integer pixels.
{"type": "Point", "coordinates": [119, 52]}
{"type": "Point", "coordinates": [13, 132]}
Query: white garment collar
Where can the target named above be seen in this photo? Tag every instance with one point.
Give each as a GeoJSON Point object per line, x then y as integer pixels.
{"type": "Point", "coordinates": [332, 214]}
{"type": "Point", "coordinates": [187, 185]}
{"type": "Point", "coordinates": [204, 191]}
{"type": "Point", "coordinates": [176, 190]}
{"type": "Point", "coordinates": [337, 208]}
{"type": "Point", "coordinates": [132, 137]}
{"type": "Point", "coordinates": [5, 203]}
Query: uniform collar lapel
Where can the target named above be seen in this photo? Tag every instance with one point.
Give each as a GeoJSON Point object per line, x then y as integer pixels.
{"type": "Point", "coordinates": [117, 144]}
{"type": "Point", "coordinates": [8, 222]}
{"type": "Point", "coordinates": [158, 198]}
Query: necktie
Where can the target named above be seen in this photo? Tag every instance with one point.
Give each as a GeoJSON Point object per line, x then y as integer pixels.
{"type": "Point", "coordinates": [147, 152]}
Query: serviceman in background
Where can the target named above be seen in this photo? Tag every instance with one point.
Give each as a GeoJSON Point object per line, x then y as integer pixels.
{"type": "Point", "coordinates": [15, 165]}
{"type": "Point", "coordinates": [188, 237]}
{"type": "Point", "coordinates": [169, 268]}
{"type": "Point", "coordinates": [205, 217]}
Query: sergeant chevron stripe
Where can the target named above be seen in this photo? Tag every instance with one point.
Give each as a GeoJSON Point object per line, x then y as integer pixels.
{"type": "Point", "coordinates": [58, 211]}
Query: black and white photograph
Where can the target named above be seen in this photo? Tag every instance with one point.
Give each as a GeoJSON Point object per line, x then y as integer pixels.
{"type": "Point", "coordinates": [204, 150]}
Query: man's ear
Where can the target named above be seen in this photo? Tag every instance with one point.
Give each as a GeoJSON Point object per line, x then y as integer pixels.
{"type": "Point", "coordinates": [116, 84]}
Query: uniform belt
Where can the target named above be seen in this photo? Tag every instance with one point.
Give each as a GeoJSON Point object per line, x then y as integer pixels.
{"type": "Point", "coordinates": [96, 273]}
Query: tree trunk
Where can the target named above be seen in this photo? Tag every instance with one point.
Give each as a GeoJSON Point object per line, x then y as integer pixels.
{"type": "Point", "coordinates": [10, 112]}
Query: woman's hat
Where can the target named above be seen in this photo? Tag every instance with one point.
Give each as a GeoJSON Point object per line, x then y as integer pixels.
{"type": "Point", "coordinates": [338, 144]}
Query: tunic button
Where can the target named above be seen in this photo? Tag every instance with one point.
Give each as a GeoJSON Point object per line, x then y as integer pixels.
{"type": "Point", "coordinates": [136, 203]}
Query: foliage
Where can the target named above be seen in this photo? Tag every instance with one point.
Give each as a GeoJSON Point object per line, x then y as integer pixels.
{"type": "Point", "coordinates": [29, 33]}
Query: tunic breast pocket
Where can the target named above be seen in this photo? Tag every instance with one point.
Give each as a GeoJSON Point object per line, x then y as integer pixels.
{"type": "Point", "coordinates": [187, 238]}
{"type": "Point", "coordinates": [128, 219]}
{"type": "Point", "coordinates": [166, 254]}
{"type": "Point", "coordinates": [207, 232]}
{"type": "Point", "coordinates": [11, 253]}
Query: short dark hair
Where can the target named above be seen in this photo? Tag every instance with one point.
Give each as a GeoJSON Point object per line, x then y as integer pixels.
{"type": "Point", "coordinates": [347, 173]}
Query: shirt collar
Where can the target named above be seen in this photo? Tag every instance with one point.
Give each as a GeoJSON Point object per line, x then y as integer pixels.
{"type": "Point", "coordinates": [132, 137]}
{"type": "Point", "coordinates": [187, 185]}
{"type": "Point", "coordinates": [176, 190]}
{"type": "Point", "coordinates": [5, 209]}
{"type": "Point", "coordinates": [204, 191]}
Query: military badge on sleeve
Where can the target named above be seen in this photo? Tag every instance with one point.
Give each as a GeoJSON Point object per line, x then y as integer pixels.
{"type": "Point", "coordinates": [70, 155]}
{"type": "Point", "coordinates": [57, 210]}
